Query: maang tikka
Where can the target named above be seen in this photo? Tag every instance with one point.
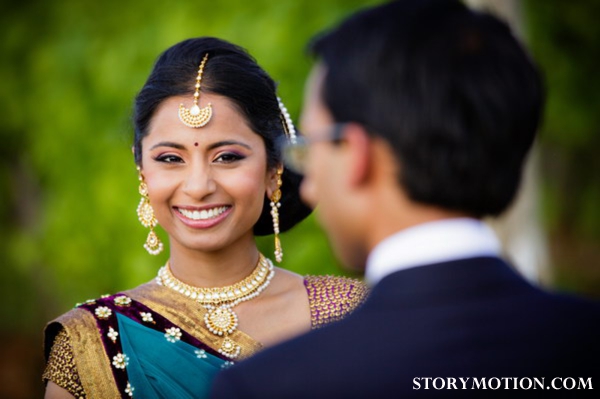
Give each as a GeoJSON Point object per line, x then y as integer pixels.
{"type": "Point", "coordinates": [196, 117]}
{"type": "Point", "coordinates": [275, 205]}
{"type": "Point", "coordinates": [146, 217]}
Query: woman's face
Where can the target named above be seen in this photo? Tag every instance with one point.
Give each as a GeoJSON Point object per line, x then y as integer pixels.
{"type": "Point", "coordinates": [206, 185]}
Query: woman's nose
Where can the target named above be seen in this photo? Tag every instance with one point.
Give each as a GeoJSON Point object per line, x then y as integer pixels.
{"type": "Point", "coordinates": [199, 182]}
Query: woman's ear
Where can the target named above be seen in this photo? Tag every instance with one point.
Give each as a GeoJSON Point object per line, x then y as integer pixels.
{"type": "Point", "coordinates": [274, 179]}
{"type": "Point", "coordinates": [138, 166]}
{"type": "Point", "coordinates": [140, 171]}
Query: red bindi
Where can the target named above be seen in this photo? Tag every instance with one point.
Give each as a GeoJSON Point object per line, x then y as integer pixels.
{"type": "Point", "coordinates": [196, 144]}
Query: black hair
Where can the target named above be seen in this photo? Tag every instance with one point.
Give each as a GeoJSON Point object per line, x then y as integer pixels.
{"type": "Point", "coordinates": [450, 89]}
{"type": "Point", "coordinates": [230, 72]}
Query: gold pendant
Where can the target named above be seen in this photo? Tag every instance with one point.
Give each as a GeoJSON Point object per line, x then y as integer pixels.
{"type": "Point", "coordinates": [229, 348]}
{"type": "Point", "coordinates": [221, 321]}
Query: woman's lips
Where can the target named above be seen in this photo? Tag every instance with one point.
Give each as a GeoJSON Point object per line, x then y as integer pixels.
{"type": "Point", "coordinates": [203, 218]}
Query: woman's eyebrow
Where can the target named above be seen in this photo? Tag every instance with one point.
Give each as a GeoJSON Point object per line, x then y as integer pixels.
{"type": "Point", "coordinates": [212, 146]}
{"type": "Point", "coordinates": [228, 142]}
{"type": "Point", "coordinates": [168, 144]}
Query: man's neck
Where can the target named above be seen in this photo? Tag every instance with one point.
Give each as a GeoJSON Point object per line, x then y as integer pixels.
{"type": "Point", "coordinates": [390, 220]}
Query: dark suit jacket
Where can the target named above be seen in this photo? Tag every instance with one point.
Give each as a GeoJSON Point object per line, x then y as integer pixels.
{"type": "Point", "coordinates": [467, 318]}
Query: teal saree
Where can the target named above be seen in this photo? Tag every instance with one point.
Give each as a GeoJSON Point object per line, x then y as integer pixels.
{"type": "Point", "coordinates": [169, 369]}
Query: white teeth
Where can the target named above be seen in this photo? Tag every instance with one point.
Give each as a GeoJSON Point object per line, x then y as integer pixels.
{"type": "Point", "coordinates": [203, 214]}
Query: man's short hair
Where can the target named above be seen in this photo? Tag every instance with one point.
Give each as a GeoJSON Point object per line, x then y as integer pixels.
{"type": "Point", "coordinates": [450, 89]}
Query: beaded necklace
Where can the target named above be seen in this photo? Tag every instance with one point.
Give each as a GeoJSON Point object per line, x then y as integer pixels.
{"type": "Point", "coordinates": [220, 319]}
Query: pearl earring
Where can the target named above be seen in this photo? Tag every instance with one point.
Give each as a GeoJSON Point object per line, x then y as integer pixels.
{"type": "Point", "coordinates": [275, 205]}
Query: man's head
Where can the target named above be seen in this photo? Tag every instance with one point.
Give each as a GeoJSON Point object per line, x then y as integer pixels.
{"type": "Point", "coordinates": [440, 105]}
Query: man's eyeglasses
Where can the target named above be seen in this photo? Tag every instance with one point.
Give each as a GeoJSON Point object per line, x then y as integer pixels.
{"type": "Point", "coordinates": [295, 154]}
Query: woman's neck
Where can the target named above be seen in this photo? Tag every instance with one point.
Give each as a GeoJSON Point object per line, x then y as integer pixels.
{"type": "Point", "coordinates": [215, 268]}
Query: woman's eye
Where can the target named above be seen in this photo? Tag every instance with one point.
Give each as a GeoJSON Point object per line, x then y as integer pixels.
{"type": "Point", "coordinates": [228, 157]}
{"type": "Point", "coordinates": [168, 159]}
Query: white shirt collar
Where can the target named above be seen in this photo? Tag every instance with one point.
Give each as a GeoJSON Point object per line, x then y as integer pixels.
{"type": "Point", "coordinates": [429, 243]}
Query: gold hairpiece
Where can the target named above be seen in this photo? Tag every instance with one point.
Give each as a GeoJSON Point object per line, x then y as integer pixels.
{"type": "Point", "coordinates": [196, 117]}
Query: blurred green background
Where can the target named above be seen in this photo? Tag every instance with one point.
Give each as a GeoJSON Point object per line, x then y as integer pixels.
{"type": "Point", "coordinates": [68, 185]}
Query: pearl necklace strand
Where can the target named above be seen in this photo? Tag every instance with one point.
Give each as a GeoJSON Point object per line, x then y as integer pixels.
{"type": "Point", "coordinates": [220, 318]}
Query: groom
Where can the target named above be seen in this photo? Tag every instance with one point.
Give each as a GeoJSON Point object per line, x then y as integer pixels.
{"type": "Point", "coordinates": [418, 118]}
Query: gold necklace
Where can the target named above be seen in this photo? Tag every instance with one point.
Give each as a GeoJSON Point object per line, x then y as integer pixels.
{"type": "Point", "coordinates": [220, 318]}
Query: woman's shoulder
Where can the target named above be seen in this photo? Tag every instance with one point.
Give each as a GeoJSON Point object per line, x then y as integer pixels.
{"type": "Point", "coordinates": [81, 319]}
{"type": "Point", "coordinates": [332, 298]}
{"type": "Point", "coordinates": [64, 337]}
{"type": "Point", "coordinates": [73, 342]}
{"type": "Point", "coordinates": [72, 323]}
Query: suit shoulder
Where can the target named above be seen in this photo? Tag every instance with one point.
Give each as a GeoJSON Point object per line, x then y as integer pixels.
{"type": "Point", "coordinates": [332, 298]}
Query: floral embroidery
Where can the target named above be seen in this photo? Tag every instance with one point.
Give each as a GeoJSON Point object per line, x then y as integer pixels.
{"type": "Point", "coordinates": [103, 312]}
{"type": "Point", "coordinates": [112, 334]}
{"type": "Point", "coordinates": [173, 334]}
{"type": "Point", "coordinates": [200, 353]}
{"type": "Point", "coordinates": [147, 317]}
{"type": "Point", "coordinates": [129, 390]}
{"type": "Point", "coordinates": [122, 300]}
{"type": "Point", "coordinates": [227, 364]}
{"type": "Point", "coordinates": [120, 361]}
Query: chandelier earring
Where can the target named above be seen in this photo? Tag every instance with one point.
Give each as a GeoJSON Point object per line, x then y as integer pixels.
{"type": "Point", "coordinates": [275, 205]}
{"type": "Point", "coordinates": [146, 217]}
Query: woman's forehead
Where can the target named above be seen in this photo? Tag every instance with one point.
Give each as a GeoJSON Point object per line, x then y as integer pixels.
{"type": "Point", "coordinates": [226, 120]}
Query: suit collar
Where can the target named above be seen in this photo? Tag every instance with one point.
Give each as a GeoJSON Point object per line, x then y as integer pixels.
{"type": "Point", "coordinates": [446, 281]}
{"type": "Point", "coordinates": [429, 243]}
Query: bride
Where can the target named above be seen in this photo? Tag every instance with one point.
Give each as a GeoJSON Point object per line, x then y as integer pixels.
{"type": "Point", "coordinates": [207, 124]}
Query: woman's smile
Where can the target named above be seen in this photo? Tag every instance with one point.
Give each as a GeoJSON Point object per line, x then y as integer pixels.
{"type": "Point", "coordinates": [203, 218]}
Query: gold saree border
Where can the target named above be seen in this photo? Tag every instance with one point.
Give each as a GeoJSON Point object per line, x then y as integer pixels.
{"type": "Point", "coordinates": [92, 364]}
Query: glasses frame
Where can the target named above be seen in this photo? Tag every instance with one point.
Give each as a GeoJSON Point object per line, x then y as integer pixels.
{"type": "Point", "coordinates": [295, 152]}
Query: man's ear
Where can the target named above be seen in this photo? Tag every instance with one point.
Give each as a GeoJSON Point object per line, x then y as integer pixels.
{"type": "Point", "coordinates": [358, 149]}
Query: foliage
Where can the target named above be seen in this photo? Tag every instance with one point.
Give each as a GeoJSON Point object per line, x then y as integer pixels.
{"type": "Point", "coordinates": [565, 40]}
